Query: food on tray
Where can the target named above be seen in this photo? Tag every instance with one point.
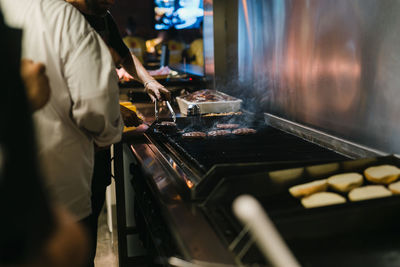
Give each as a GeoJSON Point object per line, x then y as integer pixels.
{"type": "Point", "coordinates": [244, 131]}
{"type": "Point", "coordinates": [168, 123]}
{"type": "Point", "coordinates": [345, 182]}
{"type": "Point", "coordinates": [322, 199]}
{"type": "Point", "coordinates": [160, 71]}
{"type": "Point", "coordinates": [383, 174]}
{"type": "Point", "coordinates": [207, 95]}
{"type": "Point", "coordinates": [209, 101]}
{"type": "Point", "coordinates": [322, 169]}
{"type": "Point", "coordinates": [283, 176]}
{"type": "Point", "coordinates": [194, 135]}
{"type": "Point", "coordinates": [222, 114]}
{"type": "Point", "coordinates": [352, 165]}
{"type": "Point", "coordinates": [395, 188]}
{"type": "Point", "coordinates": [369, 192]}
{"type": "Point", "coordinates": [227, 125]}
{"type": "Point", "coordinates": [308, 188]}
{"type": "Point", "coordinates": [219, 133]}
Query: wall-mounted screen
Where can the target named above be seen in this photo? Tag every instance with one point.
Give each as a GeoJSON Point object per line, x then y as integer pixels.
{"type": "Point", "coordinates": [178, 14]}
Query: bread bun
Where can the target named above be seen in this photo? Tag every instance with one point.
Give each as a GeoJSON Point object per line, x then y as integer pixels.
{"type": "Point", "coordinates": [369, 192]}
{"type": "Point", "coordinates": [283, 176]}
{"type": "Point", "coordinates": [322, 199]}
{"type": "Point", "coordinates": [357, 164]}
{"type": "Point", "coordinates": [395, 188]}
{"type": "Point", "coordinates": [308, 188]}
{"type": "Point", "coordinates": [322, 169]}
{"type": "Point", "coordinates": [384, 174]}
{"type": "Point", "coordinates": [345, 182]}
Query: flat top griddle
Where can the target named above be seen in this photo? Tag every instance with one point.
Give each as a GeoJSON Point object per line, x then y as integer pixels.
{"type": "Point", "coordinates": [267, 145]}
{"type": "Point", "coordinates": [212, 158]}
{"type": "Point", "coordinates": [361, 233]}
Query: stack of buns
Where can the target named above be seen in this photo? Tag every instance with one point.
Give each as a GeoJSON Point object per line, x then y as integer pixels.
{"type": "Point", "coordinates": [382, 184]}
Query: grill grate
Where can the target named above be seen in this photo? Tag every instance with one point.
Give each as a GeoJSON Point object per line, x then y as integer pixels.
{"type": "Point", "coordinates": [267, 145]}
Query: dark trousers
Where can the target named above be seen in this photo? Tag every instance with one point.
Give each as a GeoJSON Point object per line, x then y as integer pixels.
{"type": "Point", "coordinates": [100, 180]}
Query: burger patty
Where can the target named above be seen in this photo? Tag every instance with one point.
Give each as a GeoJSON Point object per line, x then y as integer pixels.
{"type": "Point", "coordinates": [168, 123]}
{"type": "Point", "coordinates": [244, 131]}
{"type": "Point", "coordinates": [194, 135]}
{"type": "Point", "coordinates": [219, 133]}
{"type": "Point", "coordinates": [227, 126]}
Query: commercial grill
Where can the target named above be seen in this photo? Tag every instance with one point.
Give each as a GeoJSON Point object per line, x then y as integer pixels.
{"type": "Point", "coordinates": [200, 164]}
{"type": "Point", "coordinates": [210, 173]}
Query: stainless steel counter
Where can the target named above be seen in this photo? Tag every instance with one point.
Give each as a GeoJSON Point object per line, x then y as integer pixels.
{"type": "Point", "coordinates": [193, 235]}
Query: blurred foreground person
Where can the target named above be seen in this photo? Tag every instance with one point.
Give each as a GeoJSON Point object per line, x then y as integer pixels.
{"type": "Point", "coordinates": [83, 109]}
{"type": "Point", "coordinates": [35, 233]}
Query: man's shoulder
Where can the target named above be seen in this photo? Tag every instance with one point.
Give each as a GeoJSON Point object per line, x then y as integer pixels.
{"type": "Point", "coordinates": [62, 12]}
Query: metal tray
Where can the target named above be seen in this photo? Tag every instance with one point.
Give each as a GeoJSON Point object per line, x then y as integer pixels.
{"type": "Point", "coordinates": [230, 105]}
{"type": "Point", "coordinates": [361, 233]}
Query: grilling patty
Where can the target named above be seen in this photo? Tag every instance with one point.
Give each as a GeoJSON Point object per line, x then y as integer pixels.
{"type": "Point", "coordinates": [227, 126]}
{"type": "Point", "coordinates": [244, 131]}
{"type": "Point", "coordinates": [194, 135]}
{"type": "Point", "coordinates": [168, 123]}
{"type": "Point", "coordinates": [219, 133]}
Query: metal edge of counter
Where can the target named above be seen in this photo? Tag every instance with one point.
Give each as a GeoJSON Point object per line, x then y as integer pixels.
{"type": "Point", "coordinates": [193, 234]}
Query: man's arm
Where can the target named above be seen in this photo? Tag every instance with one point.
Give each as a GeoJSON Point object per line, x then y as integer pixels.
{"type": "Point", "coordinates": [133, 65]}
{"type": "Point", "coordinates": [155, 90]}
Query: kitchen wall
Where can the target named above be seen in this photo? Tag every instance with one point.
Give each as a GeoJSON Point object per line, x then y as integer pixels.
{"type": "Point", "coordinates": [332, 65]}
{"type": "Point", "coordinates": [141, 11]}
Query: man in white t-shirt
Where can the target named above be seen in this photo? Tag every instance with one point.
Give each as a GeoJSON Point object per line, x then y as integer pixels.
{"type": "Point", "coordinates": [83, 109]}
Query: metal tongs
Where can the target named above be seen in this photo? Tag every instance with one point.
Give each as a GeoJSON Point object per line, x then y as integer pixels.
{"type": "Point", "coordinates": [169, 108]}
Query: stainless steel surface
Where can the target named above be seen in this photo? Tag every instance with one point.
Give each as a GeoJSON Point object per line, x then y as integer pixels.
{"type": "Point", "coordinates": [208, 39]}
{"type": "Point", "coordinates": [193, 110]}
{"type": "Point", "coordinates": [225, 42]}
{"type": "Point", "coordinates": [349, 149]}
{"type": "Point", "coordinates": [332, 65]}
{"type": "Point", "coordinates": [171, 110]}
{"type": "Point", "coordinates": [193, 234]}
{"type": "Point", "coordinates": [156, 109]}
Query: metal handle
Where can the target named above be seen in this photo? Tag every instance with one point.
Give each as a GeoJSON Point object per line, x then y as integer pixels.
{"type": "Point", "coordinates": [169, 108]}
{"type": "Point", "coordinates": [156, 109]}
{"type": "Point", "coordinates": [174, 261]}
{"type": "Point", "coordinates": [263, 231]}
{"type": "Point", "coordinates": [193, 110]}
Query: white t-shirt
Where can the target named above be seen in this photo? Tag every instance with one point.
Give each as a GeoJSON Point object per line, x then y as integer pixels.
{"type": "Point", "coordinates": [83, 106]}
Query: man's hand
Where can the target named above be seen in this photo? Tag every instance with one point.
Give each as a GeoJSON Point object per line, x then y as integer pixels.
{"type": "Point", "coordinates": [156, 91]}
{"type": "Point", "coordinates": [36, 83]}
{"type": "Point", "coordinates": [124, 76]}
{"type": "Point", "coordinates": [130, 117]}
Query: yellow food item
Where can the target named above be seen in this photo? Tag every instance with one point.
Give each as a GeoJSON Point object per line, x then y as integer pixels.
{"type": "Point", "coordinates": [395, 188]}
{"type": "Point", "coordinates": [308, 188]}
{"type": "Point", "coordinates": [383, 174]}
{"type": "Point", "coordinates": [322, 199]}
{"type": "Point", "coordinates": [322, 169]}
{"type": "Point", "coordinates": [369, 192]}
{"type": "Point", "coordinates": [345, 182]}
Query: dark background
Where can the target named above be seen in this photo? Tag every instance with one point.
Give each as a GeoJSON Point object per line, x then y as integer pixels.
{"type": "Point", "coordinates": [142, 11]}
